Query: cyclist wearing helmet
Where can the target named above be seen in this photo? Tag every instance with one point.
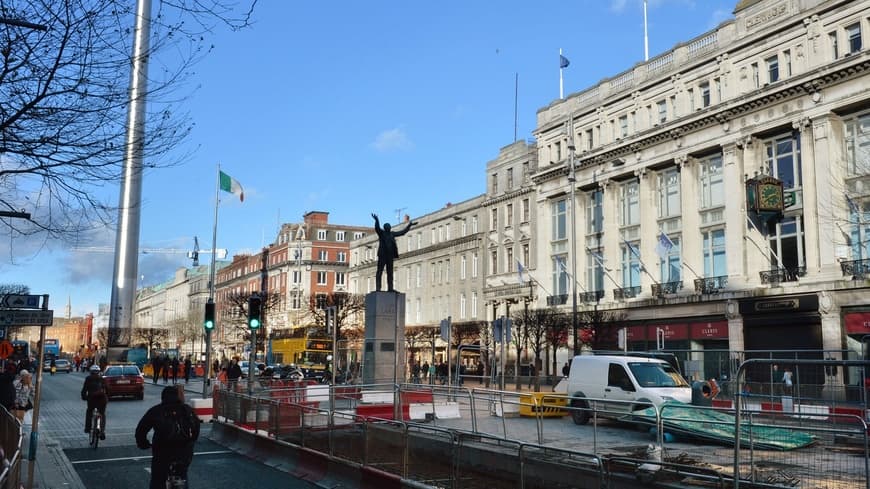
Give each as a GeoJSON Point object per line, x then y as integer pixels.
{"type": "Point", "coordinates": [94, 391]}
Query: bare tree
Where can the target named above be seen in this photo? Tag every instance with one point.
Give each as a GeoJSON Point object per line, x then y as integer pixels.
{"type": "Point", "coordinates": [520, 336]}
{"type": "Point", "coordinates": [151, 337]}
{"type": "Point", "coordinates": [190, 330]}
{"type": "Point", "coordinates": [65, 100]}
{"type": "Point", "coordinates": [556, 333]}
{"type": "Point", "coordinates": [538, 327]}
{"type": "Point", "coordinates": [237, 325]}
{"type": "Point", "coordinates": [349, 308]}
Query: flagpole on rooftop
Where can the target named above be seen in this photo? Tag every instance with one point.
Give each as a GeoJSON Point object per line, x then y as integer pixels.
{"type": "Point", "coordinates": [561, 85]}
{"type": "Point", "coordinates": [645, 35]}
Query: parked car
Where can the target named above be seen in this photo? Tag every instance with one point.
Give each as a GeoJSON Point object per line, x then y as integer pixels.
{"type": "Point", "coordinates": [624, 384]}
{"type": "Point", "coordinates": [284, 372]}
{"type": "Point", "coordinates": [124, 380]}
{"type": "Point", "coordinates": [244, 366]}
{"type": "Point", "coordinates": [60, 365]}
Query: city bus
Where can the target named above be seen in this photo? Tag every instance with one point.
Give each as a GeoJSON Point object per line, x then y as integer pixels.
{"type": "Point", "coordinates": [20, 350]}
{"type": "Point", "coordinates": [52, 348]}
{"type": "Point", "coordinates": [309, 352]}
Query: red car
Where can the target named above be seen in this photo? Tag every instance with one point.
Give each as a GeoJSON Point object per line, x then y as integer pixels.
{"type": "Point", "coordinates": [124, 380]}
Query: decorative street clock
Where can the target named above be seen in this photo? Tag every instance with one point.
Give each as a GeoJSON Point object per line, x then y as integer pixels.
{"type": "Point", "coordinates": [764, 196]}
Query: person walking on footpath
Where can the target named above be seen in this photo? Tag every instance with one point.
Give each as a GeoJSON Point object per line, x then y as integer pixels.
{"type": "Point", "coordinates": [174, 370]}
{"type": "Point", "coordinates": [176, 429]}
{"type": "Point", "coordinates": [23, 395]}
{"type": "Point", "coordinates": [187, 367]}
{"type": "Point", "coordinates": [787, 381]}
{"type": "Point", "coordinates": [155, 368]}
{"type": "Point", "coordinates": [234, 373]}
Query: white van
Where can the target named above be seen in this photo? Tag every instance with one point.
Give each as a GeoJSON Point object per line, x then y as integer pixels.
{"type": "Point", "coordinates": [642, 381]}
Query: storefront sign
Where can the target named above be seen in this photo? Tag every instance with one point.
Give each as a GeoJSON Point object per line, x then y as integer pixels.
{"type": "Point", "coordinates": [674, 331]}
{"type": "Point", "coordinates": [635, 333]}
{"type": "Point", "coordinates": [709, 330]}
{"type": "Point", "coordinates": [857, 323]}
{"type": "Point", "coordinates": [778, 305]}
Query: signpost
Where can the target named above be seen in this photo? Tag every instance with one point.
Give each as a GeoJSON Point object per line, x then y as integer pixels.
{"type": "Point", "coordinates": [23, 317]}
{"type": "Point", "coordinates": [21, 301]}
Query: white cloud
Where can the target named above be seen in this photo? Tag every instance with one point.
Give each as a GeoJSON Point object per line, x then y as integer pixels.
{"type": "Point", "coordinates": [617, 5]}
{"type": "Point", "coordinates": [719, 16]}
{"type": "Point", "coordinates": [392, 140]}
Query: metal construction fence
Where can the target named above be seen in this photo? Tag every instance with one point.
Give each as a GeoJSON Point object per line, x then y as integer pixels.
{"type": "Point", "coordinates": [490, 438]}
{"type": "Point", "coordinates": [10, 442]}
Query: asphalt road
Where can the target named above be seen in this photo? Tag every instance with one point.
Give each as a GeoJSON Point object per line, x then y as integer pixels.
{"type": "Point", "coordinates": [118, 463]}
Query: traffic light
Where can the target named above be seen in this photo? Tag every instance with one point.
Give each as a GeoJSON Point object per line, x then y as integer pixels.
{"type": "Point", "coordinates": [209, 316]}
{"type": "Point", "coordinates": [254, 311]}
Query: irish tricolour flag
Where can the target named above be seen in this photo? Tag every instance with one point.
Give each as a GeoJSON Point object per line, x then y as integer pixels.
{"type": "Point", "coordinates": [231, 185]}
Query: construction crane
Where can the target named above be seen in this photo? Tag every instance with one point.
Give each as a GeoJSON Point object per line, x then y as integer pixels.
{"type": "Point", "coordinates": [220, 253]}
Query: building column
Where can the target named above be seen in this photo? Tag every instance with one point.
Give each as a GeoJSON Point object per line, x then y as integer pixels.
{"type": "Point", "coordinates": [648, 234]}
{"type": "Point", "coordinates": [743, 160]}
{"type": "Point", "coordinates": [825, 193]}
{"type": "Point", "coordinates": [610, 242]}
{"type": "Point", "coordinates": [690, 242]}
{"type": "Point", "coordinates": [808, 199]}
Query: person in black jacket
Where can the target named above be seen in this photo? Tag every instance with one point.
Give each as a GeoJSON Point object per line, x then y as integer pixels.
{"type": "Point", "coordinates": [166, 452]}
{"type": "Point", "coordinates": [94, 391]}
{"type": "Point", "coordinates": [7, 386]}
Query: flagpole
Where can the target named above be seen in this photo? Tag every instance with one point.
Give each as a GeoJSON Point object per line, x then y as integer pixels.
{"type": "Point", "coordinates": [681, 261]}
{"type": "Point", "coordinates": [645, 35]}
{"type": "Point", "coordinates": [603, 268]}
{"type": "Point", "coordinates": [642, 264]}
{"type": "Point", "coordinates": [561, 85]}
{"type": "Point", "coordinates": [211, 283]}
{"type": "Point", "coordinates": [778, 260]}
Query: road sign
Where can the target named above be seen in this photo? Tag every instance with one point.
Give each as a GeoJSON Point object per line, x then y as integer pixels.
{"type": "Point", "coordinates": [789, 199]}
{"type": "Point", "coordinates": [5, 349]}
{"type": "Point", "coordinates": [23, 317]}
{"type": "Point", "coordinates": [16, 301]}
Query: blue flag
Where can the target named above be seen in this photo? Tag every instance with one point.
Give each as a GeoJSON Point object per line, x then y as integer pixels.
{"type": "Point", "coordinates": [563, 62]}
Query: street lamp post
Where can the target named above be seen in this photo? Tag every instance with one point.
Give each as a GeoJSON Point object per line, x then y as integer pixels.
{"type": "Point", "coordinates": [572, 181]}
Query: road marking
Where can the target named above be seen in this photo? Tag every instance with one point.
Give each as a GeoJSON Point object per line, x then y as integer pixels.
{"type": "Point", "coordinates": [142, 457]}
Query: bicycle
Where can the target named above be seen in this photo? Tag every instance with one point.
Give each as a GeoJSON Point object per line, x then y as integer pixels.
{"type": "Point", "coordinates": [96, 428]}
{"type": "Point", "coordinates": [176, 480]}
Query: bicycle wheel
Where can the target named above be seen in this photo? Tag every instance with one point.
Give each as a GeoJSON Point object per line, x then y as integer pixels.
{"type": "Point", "coordinates": [96, 427]}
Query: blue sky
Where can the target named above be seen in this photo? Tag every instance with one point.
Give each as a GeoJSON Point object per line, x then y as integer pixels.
{"type": "Point", "coordinates": [358, 107]}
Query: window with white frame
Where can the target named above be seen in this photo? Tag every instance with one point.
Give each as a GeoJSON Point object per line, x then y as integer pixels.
{"type": "Point", "coordinates": [630, 264]}
{"type": "Point", "coordinates": [447, 271]}
{"type": "Point", "coordinates": [560, 274]}
{"type": "Point", "coordinates": [463, 228]}
{"type": "Point", "coordinates": [420, 240]}
{"type": "Point", "coordinates": [494, 180]}
{"type": "Point", "coordinates": [787, 245]}
{"type": "Point", "coordinates": [339, 235]}
{"type": "Point", "coordinates": [321, 234]}
{"type": "Point", "coordinates": [853, 34]}
{"type": "Point", "coordinates": [447, 231]}
{"type": "Point", "coordinates": [559, 220]}
{"type": "Point", "coordinates": [493, 260]}
{"type": "Point", "coordinates": [321, 278]}
{"type": "Point", "coordinates": [493, 219]}
{"type": "Point", "coordinates": [474, 224]}
{"type": "Point", "coordinates": [359, 235]}
{"type": "Point", "coordinates": [342, 256]}
{"type": "Point", "coordinates": [322, 255]}
{"type": "Point", "coordinates": [783, 159]}
{"type": "Point", "coordinates": [705, 94]}
{"type": "Point", "coordinates": [712, 186]}
{"type": "Point", "coordinates": [339, 278]}
{"type": "Point", "coordinates": [440, 234]}
{"type": "Point", "coordinates": [595, 212]}
{"type": "Point", "coordinates": [772, 68]}
{"type": "Point", "coordinates": [510, 178]}
{"type": "Point", "coordinates": [432, 273]}
{"type": "Point", "coordinates": [509, 258]}
{"type": "Point", "coordinates": [462, 312]}
{"type": "Point", "coordinates": [630, 203]}
{"type": "Point", "coordinates": [296, 276]}
{"type": "Point", "coordinates": [669, 192]}
{"type": "Point", "coordinates": [594, 270]}
{"type": "Point", "coordinates": [662, 107]}
{"type": "Point", "coordinates": [670, 266]}
{"type": "Point", "coordinates": [715, 264]}
{"type": "Point", "coordinates": [623, 126]}
{"type": "Point", "coordinates": [590, 142]}
{"type": "Point", "coordinates": [433, 237]}
{"type": "Point", "coordinates": [296, 301]}
{"type": "Point", "coordinates": [509, 215]}
{"type": "Point", "coordinates": [418, 276]}
{"type": "Point", "coordinates": [474, 264]}
{"type": "Point", "coordinates": [859, 224]}
{"type": "Point", "coordinates": [463, 263]}
{"type": "Point", "coordinates": [526, 255]}
{"type": "Point", "coordinates": [786, 61]}
{"type": "Point", "coordinates": [474, 304]}
{"type": "Point", "coordinates": [858, 145]}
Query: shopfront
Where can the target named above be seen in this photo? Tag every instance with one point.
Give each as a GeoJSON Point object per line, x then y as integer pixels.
{"type": "Point", "coordinates": [856, 326]}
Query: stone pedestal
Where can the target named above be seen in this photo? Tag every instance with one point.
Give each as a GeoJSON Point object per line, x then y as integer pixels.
{"type": "Point", "coordinates": [384, 351]}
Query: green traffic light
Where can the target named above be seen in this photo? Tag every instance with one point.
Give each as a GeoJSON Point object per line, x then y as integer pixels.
{"type": "Point", "coordinates": [254, 323]}
{"type": "Point", "coordinates": [209, 325]}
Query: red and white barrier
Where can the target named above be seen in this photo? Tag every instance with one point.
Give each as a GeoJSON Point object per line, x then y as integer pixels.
{"type": "Point", "coordinates": [203, 408]}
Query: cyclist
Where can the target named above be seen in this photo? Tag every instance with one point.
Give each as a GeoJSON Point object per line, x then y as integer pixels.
{"type": "Point", "coordinates": [94, 391]}
{"type": "Point", "coordinates": [176, 429]}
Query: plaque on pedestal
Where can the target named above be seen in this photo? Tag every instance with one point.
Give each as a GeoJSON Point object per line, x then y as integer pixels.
{"type": "Point", "coordinates": [384, 351]}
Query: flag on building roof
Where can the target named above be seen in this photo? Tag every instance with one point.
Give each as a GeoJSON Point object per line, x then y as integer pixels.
{"type": "Point", "coordinates": [664, 245]}
{"type": "Point", "coordinates": [563, 62]}
{"type": "Point", "coordinates": [231, 185]}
